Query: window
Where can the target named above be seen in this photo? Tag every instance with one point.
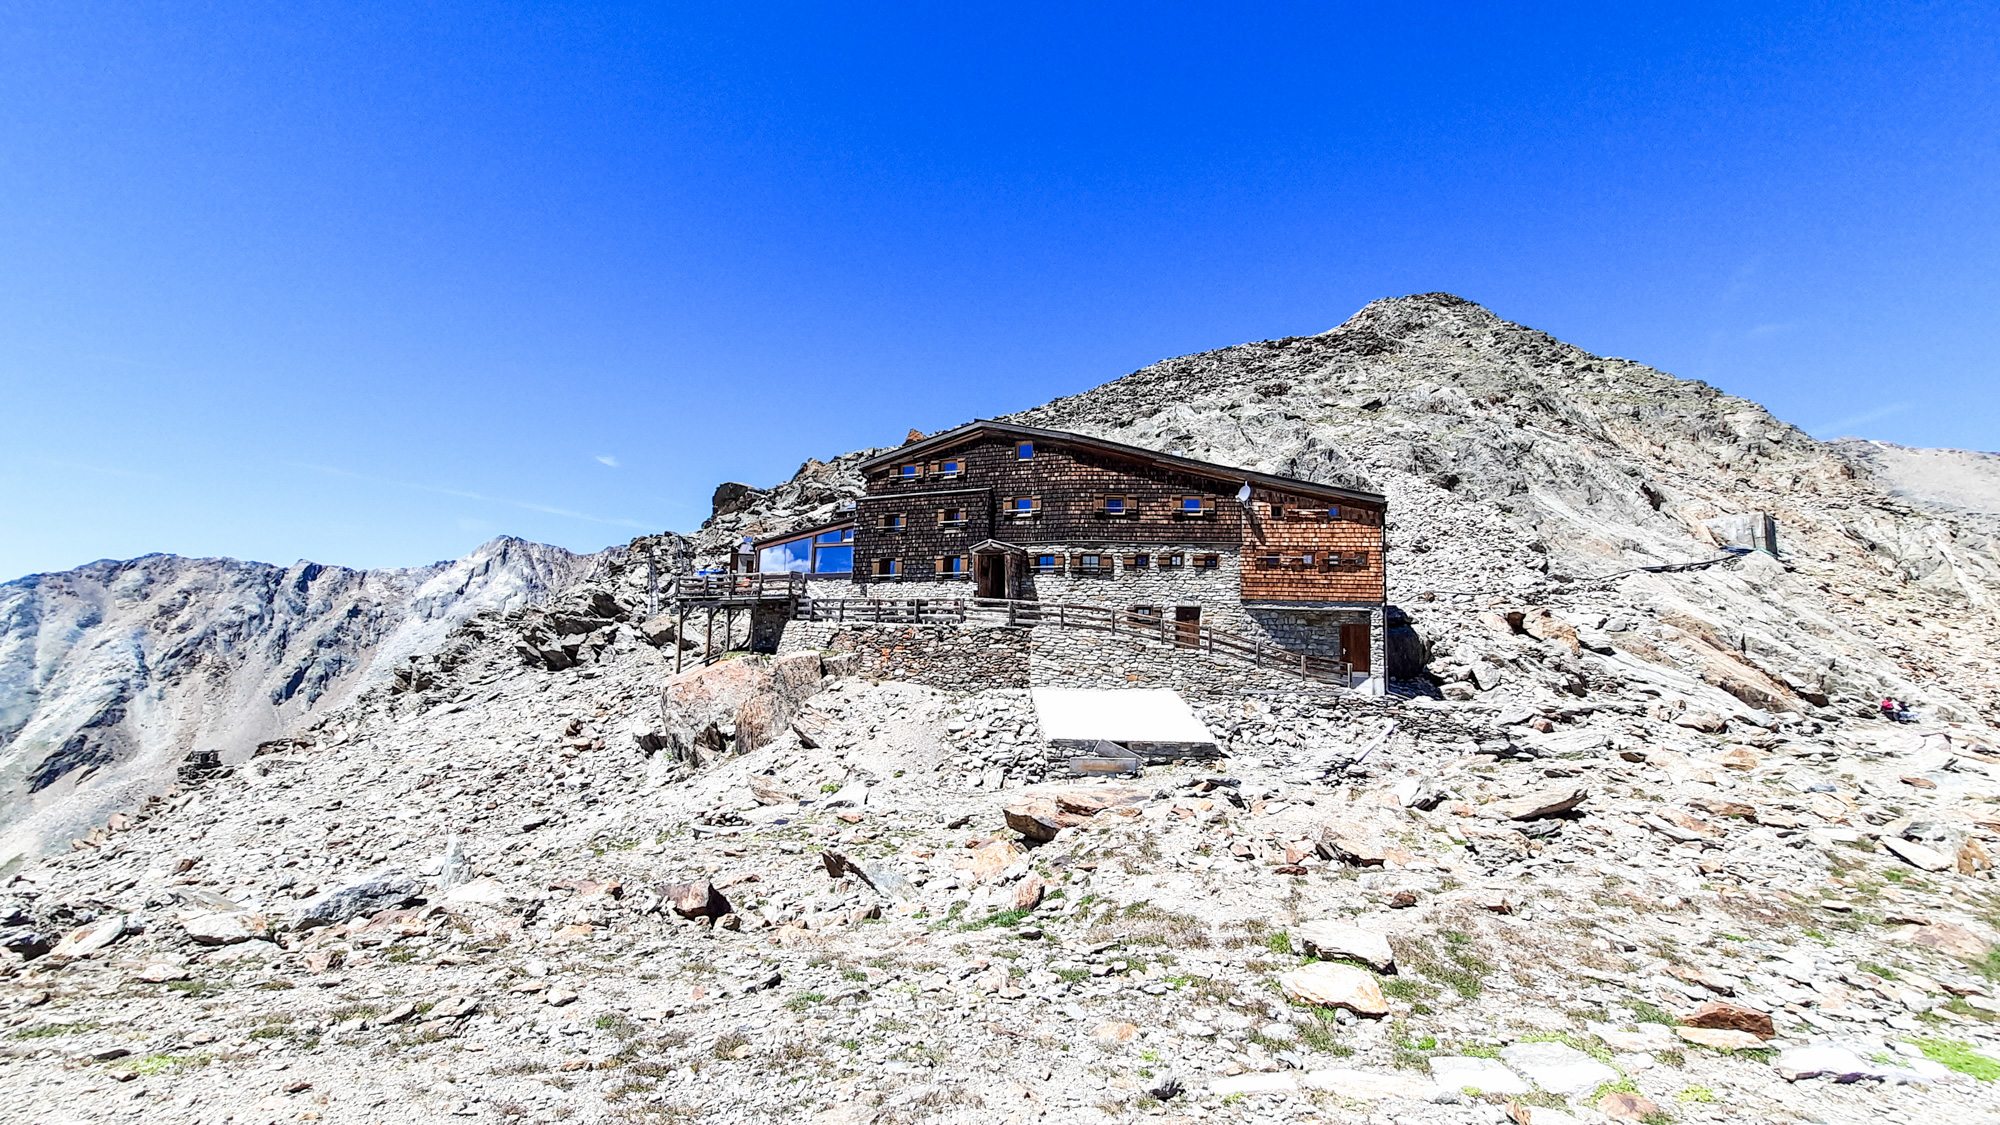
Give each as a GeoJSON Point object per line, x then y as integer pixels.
{"type": "Point", "coordinates": [1210, 562]}
{"type": "Point", "coordinates": [1120, 506]}
{"type": "Point", "coordinates": [1138, 562]}
{"type": "Point", "coordinates": [1271, 562]}
{"type": "Point", "coordinates": [1172, 562]}
{"type": "Point", "coordinates": [1048, 564]}
{"type": "Point", "coordinates": [887, 568]}
{"type": "Point", "coordinates": [950, 468]}
{"type": "Point", "coordinates": [833, 552]}
{"type": "Point", "coordinates": [951, 517]}
{"type": "Point", "coordinates": [1025, 451]}
{"type": "Point", "coordinates": [892, 521]}
{"type": "Point", "coordinates": [1023, 507]}
{"type": "Point", "coordinates": [1143, 615]}
{"type": "Point", "coordinates": [910, 472]}
{"type": "Point", "coordinates": [1306, 561]}
{"type": "Point", "coordinates": [1194, 507]}
{"type": "Point", "coordinates": [1093, 564]}
{"type": "Point", "coordinates": [954, 566]}
{"type": "Point", "coordinates": [825, 552]}
{"type": "Point", "coordinates": [794, 557]}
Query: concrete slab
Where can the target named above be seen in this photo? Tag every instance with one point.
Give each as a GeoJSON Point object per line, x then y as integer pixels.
{"type": "Point", "coordinates": [1143, 715]}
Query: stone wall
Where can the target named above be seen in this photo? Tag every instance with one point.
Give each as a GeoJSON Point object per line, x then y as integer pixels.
{"type": "Point", "coordinates": [1088, 659]}
{"type": "Point", "coordinates": [947, 657]}
{"type": "Point", "coordinates": [977, 658]}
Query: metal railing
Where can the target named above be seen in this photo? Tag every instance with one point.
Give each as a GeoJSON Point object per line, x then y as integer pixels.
{"type": "Point", "coordinates": [1141, 627]}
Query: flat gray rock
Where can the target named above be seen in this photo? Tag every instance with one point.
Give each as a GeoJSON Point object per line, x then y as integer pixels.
{"type": "Point", "coordinates": [1488, 1076]}
{"type": "Point", "coordinates": [1330, 940]}
{"type": "Point", "coordinates": [1558, 1067]}
{"type": "Point", "coordinates": [384, 890]}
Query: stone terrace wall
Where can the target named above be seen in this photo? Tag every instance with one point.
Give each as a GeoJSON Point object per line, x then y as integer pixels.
{"type": "Point", "coordinates": [940, 656]}
{"type": "Point", "coordinates": [1085, 658]}
{"type": "Point", "coordinates": [975, 658]}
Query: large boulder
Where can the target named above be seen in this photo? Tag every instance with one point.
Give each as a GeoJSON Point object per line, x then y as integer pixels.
{"type": "Point", "coordinates": [736, 706]}
{"type": "Point", "coordinates": [699, 899]}
{"type": "Point", "coordinates": [1329, 984]}
{"type": "Point", "coordinates": [383, 890]}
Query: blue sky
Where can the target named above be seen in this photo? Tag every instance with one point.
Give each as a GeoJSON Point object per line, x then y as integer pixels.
{"type": "Point", "coordinates": [369, 285]}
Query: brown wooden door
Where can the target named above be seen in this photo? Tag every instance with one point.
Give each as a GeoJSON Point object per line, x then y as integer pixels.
{"type": "Point", "coordinates": [1187, 626]}
{"type": "Point", "coordinates": [991, 573]}
{"type": "Point", "coordinates": [1354, 647]}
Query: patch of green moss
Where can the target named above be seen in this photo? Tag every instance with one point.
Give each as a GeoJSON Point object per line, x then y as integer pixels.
{"type": "Point", "coordinates": [1960, 1056]}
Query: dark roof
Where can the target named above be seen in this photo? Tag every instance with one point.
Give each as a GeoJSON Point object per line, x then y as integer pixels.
{"type": "Point", "coordinates": [794, 534]}
{"type": "Point", "coordinates": [945, 438]}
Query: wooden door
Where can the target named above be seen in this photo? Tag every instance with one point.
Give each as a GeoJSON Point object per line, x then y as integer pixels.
{"type": "Point", "coordinates": [1187, 626]}
{"type": "Point", "coordinates": [1355, 647]}
{"type": "Point", "coordinates": [990, 571]}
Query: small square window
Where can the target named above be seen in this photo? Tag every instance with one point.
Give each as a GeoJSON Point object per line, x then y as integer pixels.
{"type": "Point", "coordinates": [1173, 562]}
{"type": "Point", "coordinates": [886, 568]}
{"type": "Point", "coordinates": [954, 565]}
{"type": "Point", "coordinates": [1114, 505]}
{"type": "Point", "coordinates": [1211, 562]}
{"type": "Point", "coordinates": [1025, 451]}
{"type": "Point", "coordinates": [892, 521]}
{"type": "Point", "coordinates": [1048, 562]}
{"type": "Point", "coordinates": [1191, 504]}
{"type": "Point", "coordinates": [949, 468]}
{"type": "Point", "coordinates": [1138, 562]}
{"type": "Point", "coordinates": [1306, 561]}
{"type": "Point", "coordinates": [911, 472]}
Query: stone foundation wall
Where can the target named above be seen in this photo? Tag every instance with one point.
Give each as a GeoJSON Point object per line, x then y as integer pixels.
{"type": "Point", "coordinates": [977, 658]}
{"type": "Point", "coordinates": [1089, 659]}
{"type": "Point", "coordinates": [946, 657]}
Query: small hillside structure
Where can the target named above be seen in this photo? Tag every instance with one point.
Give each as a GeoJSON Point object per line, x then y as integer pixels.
{"type": "Point", "coordinates": [994, 510]}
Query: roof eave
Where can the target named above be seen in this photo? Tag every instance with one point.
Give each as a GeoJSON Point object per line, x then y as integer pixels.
{"type": "Point", "coordinates": [1187, 464]}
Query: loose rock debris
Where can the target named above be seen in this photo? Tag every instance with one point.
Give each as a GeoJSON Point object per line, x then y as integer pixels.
{"type": "Point", "coordinates": [635, 934]}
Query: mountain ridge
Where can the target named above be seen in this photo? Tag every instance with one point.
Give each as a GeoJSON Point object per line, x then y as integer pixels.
{"type": "Point", "coordinates": [1521, 469]}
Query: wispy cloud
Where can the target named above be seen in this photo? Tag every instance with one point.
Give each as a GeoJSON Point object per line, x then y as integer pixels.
{"type": "Point", "coordinates": [607, 459]}
{"type": "Point", "coordinates": [1844, 426]}
{"type": "Point", "coordinates": [1763, 330]}
{"type": "Point", "coordinates": [463, 494]}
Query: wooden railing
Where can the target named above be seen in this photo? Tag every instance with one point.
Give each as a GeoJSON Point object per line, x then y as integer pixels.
{"type": "Point", "coordinates": [886, 611]}
{"type": "Point", "coordinates": [740, 587]}
{"type": "Point", "coordinates": [1143, 627]}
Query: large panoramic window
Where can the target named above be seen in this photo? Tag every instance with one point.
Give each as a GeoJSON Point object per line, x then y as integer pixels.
{"type": "Point", "coordinates": [779, 558]}
{"type": "Point", "coordinates": [828, 552]}
{"type": "Point", "coordinates": [833, 552]}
